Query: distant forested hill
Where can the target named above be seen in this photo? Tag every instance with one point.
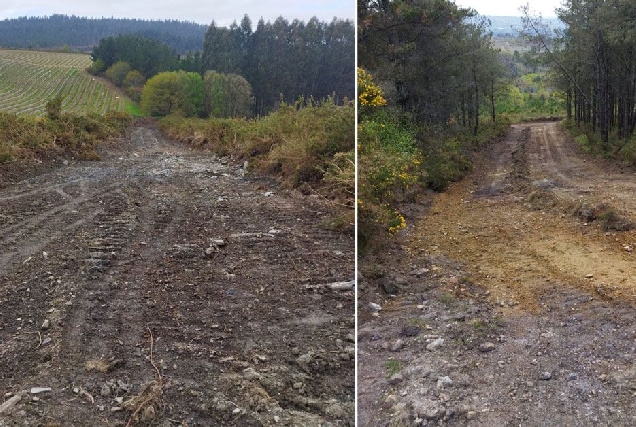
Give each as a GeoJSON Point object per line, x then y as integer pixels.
{"type": "Point", "coordinates": [502, 26]}
{"type": "Point", "coordinates": [58, 31]}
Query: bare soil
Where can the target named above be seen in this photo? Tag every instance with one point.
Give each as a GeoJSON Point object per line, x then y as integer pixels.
{"type": "Point", "coordinates": [164, 286]}
{"type": "Point", "coordinates": [525, 270]}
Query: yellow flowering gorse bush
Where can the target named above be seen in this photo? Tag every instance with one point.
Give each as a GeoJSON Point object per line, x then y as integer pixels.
{"type": "Point", "coordinates": [369, 93]}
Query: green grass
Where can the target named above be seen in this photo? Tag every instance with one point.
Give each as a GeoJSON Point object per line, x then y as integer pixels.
{"type": "Point", "coordinates": [392, 367]}
{"type": "Point", "coordinates": [29, 79]}
{"type": "Point", "coordinates": [447, 299]}
{"type": "Point", "coordinates": [133, 109]}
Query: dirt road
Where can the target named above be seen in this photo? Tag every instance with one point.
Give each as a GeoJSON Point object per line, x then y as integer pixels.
{"type": "Point", "coordinates": [162, 286]}
{"type": "Point", "coordinates": [516, 292]}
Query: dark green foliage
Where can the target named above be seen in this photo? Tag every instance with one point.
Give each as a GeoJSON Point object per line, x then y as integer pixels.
{"type": "Point", "coordinates": [58, 31]}
{"type": "Point", "coordinates": [313, 59]}
{"type": "Point", "coordinates": [54, 108]}
{"type": "Point", "coordinates": [593, 63]}
{"type": "Point", "coordinates": [117, 72]}
{"type": "Point", "coordinates": [435, 60]}
{"type": "Point", "coordinates": [192, 62]}
{"type": "Point", "coordinates": [148, 56]}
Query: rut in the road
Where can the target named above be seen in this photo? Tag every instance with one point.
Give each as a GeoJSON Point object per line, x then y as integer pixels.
{"type": "Point", "coordinates": [227, 271]}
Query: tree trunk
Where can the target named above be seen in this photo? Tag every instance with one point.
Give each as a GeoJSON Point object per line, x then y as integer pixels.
{"type": "Point", "coordinates": [492, 101]}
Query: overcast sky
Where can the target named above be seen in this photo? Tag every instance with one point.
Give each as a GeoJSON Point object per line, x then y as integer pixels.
{"type": "Point", "coordinates": [223, 12]}
{"type": "Point", "coordinates": [511, 7]}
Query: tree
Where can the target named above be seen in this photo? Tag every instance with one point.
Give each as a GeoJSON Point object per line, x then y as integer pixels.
{"type": "Point", "coordinates": [593, 59]}
{"type": "Point", "coordinates": [117, 72]}
{"type": "Point", "coordinates": [149, 57]}
{"type": "Point", "coordinates": [285, 59]}
{"type": "Point", "coordinates": [78, 33]}
{"type": "Point", "coordinates": [133, 84]}
{"type": "Point", "coordinates": [227, 95]}
{"type": "Point", "coordinates": [191, 84]}
{"type": "Point", "coordinates": [434, 60]}
{"type": "Point", "coordinates": [239, 99]}
{"type": "Point", "coordinates": [97, 67]}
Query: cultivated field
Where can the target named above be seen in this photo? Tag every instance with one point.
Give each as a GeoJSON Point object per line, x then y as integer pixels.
{"type": "Point", "coordinates": [28, 79]}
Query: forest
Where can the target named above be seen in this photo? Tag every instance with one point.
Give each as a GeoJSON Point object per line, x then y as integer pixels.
{"type": "Point", "coordinates": [593, 63]}
{"type": "Point", "coordinates": [81, 34]}
{"type": "Point", "coordinates": [248, 72]}
{"type": "Point", "coordinates": [285, 60]}
{"type": "Point", "coordinates": [427, 93]}
{"type": "Point", "coordinates": [435, 85]}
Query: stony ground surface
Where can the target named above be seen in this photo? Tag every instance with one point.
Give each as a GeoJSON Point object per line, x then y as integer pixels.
{"type": "Point", "coordinates": [161, 286]}
{"type": "Point", "coordinates": [510, 299]}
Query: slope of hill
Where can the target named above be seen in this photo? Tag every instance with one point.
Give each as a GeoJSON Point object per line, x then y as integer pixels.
{"type": "Point", "coordinates": [28, 79]}
{"type": "Point", "coordinates": [58, 31]}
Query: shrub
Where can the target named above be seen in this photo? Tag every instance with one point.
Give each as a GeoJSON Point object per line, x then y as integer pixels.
{"type": "Point", "coordinates": [308, 143]}
{"type": "Point", "coordinates": [117, 72]}
{"type": "Point", "coordinates": [54, 108]}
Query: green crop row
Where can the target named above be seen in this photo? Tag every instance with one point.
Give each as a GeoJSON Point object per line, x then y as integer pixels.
{"type": "Point", "coordinates": [29, 79]}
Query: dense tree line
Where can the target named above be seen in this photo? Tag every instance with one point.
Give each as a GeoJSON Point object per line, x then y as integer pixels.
{"type": "Point", "coordinates": [288, 59]}
{"type": "Point", "coordinates": [58, 31]}
{"type": "Point", "coordinates": [147, 56]}
{"type": "Point", "coordinates": [429, 79]}
{"type": "Point", "coordinates": [434, 59]}
{"type": "Point", "coordinates": [595, 60]}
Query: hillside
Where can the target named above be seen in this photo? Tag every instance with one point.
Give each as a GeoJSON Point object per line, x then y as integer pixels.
{"type": "Point", "coordinates": [77, 33]}
{"type": "Point", "coordinates": [28, 79]}
{"type": "Point", "coordinates": [506, 26]}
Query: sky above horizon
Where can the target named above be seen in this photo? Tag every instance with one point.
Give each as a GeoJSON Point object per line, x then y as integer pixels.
{"type": "Point", "coordinates": [223, 13]}
{"type": "Point", "coordinates": [511, 7]}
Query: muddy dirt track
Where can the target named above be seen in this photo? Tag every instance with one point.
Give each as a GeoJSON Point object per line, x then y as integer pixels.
{"type": "Point", "coordinates": [513, 298]}
{"type": "Point", "coordinates": [161, 286]}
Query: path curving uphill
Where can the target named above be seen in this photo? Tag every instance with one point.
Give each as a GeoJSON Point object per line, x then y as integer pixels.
{"type": "Point", "coordinates": [517, 303]}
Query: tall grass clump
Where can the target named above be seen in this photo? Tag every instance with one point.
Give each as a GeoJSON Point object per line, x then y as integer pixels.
{"type": "Point", "coordinates": [23, 137]}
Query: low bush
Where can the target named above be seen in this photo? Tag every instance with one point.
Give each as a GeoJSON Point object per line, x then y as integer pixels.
{"type": "Point", "coordinates": [26, 137]}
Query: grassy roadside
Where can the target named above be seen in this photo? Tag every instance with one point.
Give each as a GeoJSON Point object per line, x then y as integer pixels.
{"type": "Point", "coordinates": [24, 137]}
{"type": "Point", "coordinates": [617, 149]}
{"type": "Point", "coordinates": [308, 145]}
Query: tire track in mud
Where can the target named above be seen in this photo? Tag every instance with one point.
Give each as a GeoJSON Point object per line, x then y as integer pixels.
{"type": "Point", "coordinates": [106, 310]}
{"type": "Point", "coordinates": [520, 252]}
{"type": "Point", "coordinates": [245, 325]}
{"type": "Point", "coordinates": [554, 157]}
{"type": "Point", "coordinates": [35, 232]}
